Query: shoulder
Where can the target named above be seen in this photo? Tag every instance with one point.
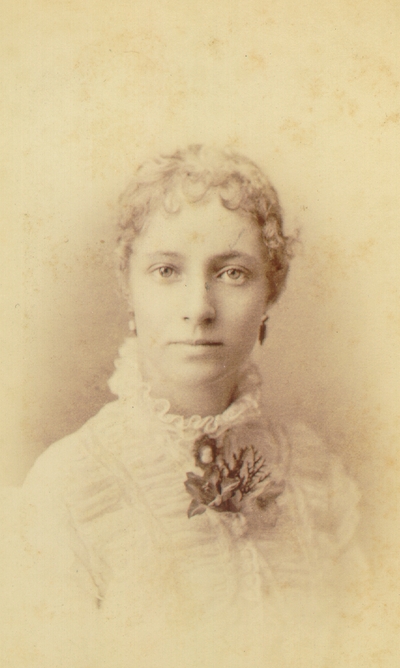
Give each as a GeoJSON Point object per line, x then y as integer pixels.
{"type": "Point", "coordinates": [80, 474]}
{"type": "Point", "coordinates": [72, 498]}
{"type": "Point", "coordinates": [73, 453]}
{"type": "Point", "coordinates": [71, 480]}
{"type": "Point", "coordinates": [310, 456]}
{"type": "Point", "coordinates": [309, 451]}
{"type": "Point", "coordinates": [323, 489]}
{"type": "Point", "coordinates": [312, 459]}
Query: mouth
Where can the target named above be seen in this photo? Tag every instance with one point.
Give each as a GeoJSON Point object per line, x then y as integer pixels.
{"type": "Point", "coordinates": [197, 342]}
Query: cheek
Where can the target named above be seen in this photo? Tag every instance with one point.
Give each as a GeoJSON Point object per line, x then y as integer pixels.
{"type": "Point", "coordinates": [243, 316]}
{"type": "Point", "coordinates": [143, 298]}
{"type": "Point", "coordinates": [149, 315]}
{"type": "Point", "coordinates": [154, 313]}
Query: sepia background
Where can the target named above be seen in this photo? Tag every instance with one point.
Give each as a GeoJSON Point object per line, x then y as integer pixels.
{"type": "Point", "coordinates": [310, 91]}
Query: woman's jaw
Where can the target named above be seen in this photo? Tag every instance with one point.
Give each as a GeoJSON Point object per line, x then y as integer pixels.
{"type": "Point", "coordinates": [192, 378]}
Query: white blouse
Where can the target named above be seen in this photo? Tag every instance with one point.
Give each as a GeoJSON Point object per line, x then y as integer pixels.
{"type": "Point", "coordinates": [107, 569]}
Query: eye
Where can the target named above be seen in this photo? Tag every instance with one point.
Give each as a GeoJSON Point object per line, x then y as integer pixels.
{"type": "Point", "coordinates": [164, 271]}
{"type": "Point", "coordinates": [233, 275]}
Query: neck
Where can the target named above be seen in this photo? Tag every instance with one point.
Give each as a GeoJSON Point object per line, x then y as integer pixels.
{"type": "Point", "coordinates": [210, 398]}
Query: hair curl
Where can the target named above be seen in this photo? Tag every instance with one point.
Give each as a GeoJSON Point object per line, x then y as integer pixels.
{"type": "Point", "coordinates": [168, 180]}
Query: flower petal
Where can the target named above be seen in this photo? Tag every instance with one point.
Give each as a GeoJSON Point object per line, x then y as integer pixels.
{"type": "Point", "coordinates": [196, 508]}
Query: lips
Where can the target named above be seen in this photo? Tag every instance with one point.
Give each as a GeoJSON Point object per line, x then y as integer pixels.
{"type": "Point", "coordinates": [197, 342]}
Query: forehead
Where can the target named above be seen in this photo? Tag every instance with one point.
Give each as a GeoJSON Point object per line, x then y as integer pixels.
{"type": "Point", "coordinates": [203, 229]}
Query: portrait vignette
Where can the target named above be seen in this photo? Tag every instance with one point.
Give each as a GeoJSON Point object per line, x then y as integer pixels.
{"type": "Point", "coordinates": [90, 101]}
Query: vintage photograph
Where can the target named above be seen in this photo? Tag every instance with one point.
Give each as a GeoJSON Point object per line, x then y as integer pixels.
{"type": "Point", "coordinates": [200, 335]}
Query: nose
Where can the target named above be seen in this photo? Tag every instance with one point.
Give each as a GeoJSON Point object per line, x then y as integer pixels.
{"type": "Point", "coordinates": [199, 307]}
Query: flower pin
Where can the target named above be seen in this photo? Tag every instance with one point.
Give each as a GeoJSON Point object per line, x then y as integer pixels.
{"type": "Point", "coordinates": [231, 473]}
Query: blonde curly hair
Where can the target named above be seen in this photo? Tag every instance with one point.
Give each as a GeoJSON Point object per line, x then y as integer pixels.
{"type": "Point", "coordinates": [189, 175]}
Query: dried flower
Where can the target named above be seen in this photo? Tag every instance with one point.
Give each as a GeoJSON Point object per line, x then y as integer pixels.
{"type": "Point", "coordinates": [230, 473]}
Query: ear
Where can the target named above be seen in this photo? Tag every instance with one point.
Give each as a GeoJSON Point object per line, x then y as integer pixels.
{"type": "Point", "coordinates": [131, 307]}
{"type": "Point", "coordinates": [128, 285]}
{"type": "Point", "coordinates": [132, 323]}
{"type": "Point", "coordinates": [267, 298]}
{"type": "Point", "coordinates": [262, 332]}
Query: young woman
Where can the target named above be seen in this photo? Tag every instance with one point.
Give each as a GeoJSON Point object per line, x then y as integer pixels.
{"type": "Point", "coordinates": [180, 524]}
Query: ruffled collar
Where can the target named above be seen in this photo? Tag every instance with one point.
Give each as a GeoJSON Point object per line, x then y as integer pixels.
{"type": "Point", "coordinates": [127, 383]}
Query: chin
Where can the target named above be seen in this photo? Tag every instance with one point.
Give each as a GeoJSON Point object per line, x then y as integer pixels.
{"type": "Point", "coordinates": [196, 372]}
{"type": "Point", "coordinates": [192, 376]}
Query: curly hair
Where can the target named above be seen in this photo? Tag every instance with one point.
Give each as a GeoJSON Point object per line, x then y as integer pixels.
{"type": "Point", "coordinates": [189, 175]}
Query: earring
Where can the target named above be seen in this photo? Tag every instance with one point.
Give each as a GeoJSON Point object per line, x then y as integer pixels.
{"type": "Point", "coordinates": [132, 324]}
{"type": "Point", "coordinates": [262, 333]}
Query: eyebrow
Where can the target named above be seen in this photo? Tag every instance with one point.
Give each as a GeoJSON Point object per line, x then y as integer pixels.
{"type": "Point", "coordinates": [234, 255]}
{"type": "Point", "coordinates": [167, 254]}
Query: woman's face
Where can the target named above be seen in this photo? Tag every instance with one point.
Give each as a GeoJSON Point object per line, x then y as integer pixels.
{"type": "Point", "coordinates": [198, 290]}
